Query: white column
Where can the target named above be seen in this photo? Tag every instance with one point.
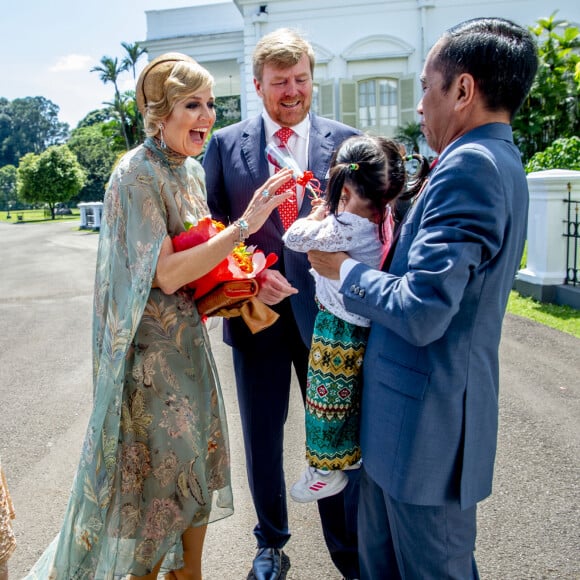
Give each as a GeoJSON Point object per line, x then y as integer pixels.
{"type": "Point", "coordinates": [243, 89]}
{"type": "Point", "coordinates": [255, 26]}
{"type": "Point", "coordinates": [546, 257]}
{"type": "Point", "coordinates": [83, 208]}
{"type": "Point", "coordinates": [98, 211]}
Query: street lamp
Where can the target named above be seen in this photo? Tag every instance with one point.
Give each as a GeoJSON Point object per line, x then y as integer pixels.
{"type": "Point", "coordinates": [8, 216]}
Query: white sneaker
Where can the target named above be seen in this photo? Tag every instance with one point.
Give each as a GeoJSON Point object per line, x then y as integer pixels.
{"type": "Point", "coordinates": [314, 485]}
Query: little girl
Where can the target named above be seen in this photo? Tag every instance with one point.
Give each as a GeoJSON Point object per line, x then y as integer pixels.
{"type": "Point", "coordinates": [366, 175]}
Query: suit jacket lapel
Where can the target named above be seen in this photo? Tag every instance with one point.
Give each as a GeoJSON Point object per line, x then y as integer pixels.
{"type": "Point", "coordinates": [389, 257]}
{"type": "Point", "coordinates": [320, 149]}
{"type": "Point", "coordinates": [254, 155]}
{"type": "Point", "coordinates": [391, 252]}
{"type": "Point", "coordinates": [255, 158]}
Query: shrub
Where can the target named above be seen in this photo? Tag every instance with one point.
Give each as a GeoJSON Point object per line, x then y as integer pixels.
{"type": "Point", "coordinates": [563, 153]}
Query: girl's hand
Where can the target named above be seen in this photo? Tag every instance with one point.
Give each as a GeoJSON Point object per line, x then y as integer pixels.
{"type": "Point", "coordinates": [319, 210]}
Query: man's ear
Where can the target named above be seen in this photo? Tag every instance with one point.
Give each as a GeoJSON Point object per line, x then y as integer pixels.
{"type": "Point", "coordinates": [465, 91]}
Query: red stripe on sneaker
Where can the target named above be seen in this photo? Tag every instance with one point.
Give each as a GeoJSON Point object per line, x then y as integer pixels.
{"type": "Point", "coordinates": [317, 486]}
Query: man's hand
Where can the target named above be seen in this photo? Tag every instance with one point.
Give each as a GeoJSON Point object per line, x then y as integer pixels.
{"type": "Point", "coordinates": [274, 287]}
{"type": "Point", "coordinates": [327, 264]}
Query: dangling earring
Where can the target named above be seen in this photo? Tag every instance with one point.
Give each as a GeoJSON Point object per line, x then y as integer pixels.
{"type": "Point", "coordinates": [161, 138]}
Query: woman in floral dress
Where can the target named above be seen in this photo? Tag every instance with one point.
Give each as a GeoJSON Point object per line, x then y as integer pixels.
{"type": "Point", "coordinates": [7, 541]}
{"type": "Point", "coordinates": [154, 469]}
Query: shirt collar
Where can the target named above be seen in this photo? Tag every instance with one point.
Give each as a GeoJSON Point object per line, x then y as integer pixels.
{"type": "Point", "coordinates": [271, 127]}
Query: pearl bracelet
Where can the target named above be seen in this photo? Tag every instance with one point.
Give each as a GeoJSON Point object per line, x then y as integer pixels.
{"type": "Point", "coordinates": [244, 230]}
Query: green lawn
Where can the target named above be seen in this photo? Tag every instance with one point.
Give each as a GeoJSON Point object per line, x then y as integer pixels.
{"type": "Point", "coordinates": [35, 215]}
{"type": "Point", "coordinates": [562, 318]}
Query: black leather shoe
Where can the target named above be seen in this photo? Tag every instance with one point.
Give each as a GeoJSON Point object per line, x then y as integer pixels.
{"type": "Point", "coordinates": [267, 564]}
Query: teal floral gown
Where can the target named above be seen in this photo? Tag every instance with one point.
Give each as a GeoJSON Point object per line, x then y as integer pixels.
{"type": "Point", "coordinates": [155, 459]}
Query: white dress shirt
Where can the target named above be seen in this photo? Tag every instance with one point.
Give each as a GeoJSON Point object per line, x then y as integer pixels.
{"type": "Point", "coordinates": [297, 146]}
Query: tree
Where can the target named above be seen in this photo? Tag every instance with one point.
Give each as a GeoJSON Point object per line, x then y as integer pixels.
{"type": "Point", "coordinates": [109, 72]}
{"type": "Point", "coordinates": [134, 53]}
{"type": "Point", "coordinates": [93, 147]}
{"type": "Point", "coordinates": [133, 129]}
{"type": "Point", "coordinates": [52, 177]}
{"type": "Point", "coordinates": [28, 125]}
{"type": "Point", "coordinates": [228, 111]}
{"type": "Point", "coordinates": [563, 153]}
{"type": "Point", "coordinates": [411, 136]}
{"type": "Point", "coordinates": [96, 117]}
{"type": "Point", "coordinates": [551, 110]}
{"type": "Point", "coordinates": [126, 119]}
{"type": "Point", "coordinates": [6, 154]}
{"type": "Point", "coordinates": [8, 185]}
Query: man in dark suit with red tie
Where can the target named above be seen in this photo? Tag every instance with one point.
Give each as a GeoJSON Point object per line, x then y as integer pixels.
{"type": "Point", "coordinates": [235, 164]}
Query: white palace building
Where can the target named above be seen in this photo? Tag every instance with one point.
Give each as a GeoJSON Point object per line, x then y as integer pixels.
{"type": "Point", "coordinates": [369, 53]}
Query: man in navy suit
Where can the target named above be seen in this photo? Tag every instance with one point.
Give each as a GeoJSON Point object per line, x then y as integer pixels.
{"type": "Point", "coordinates": [430, 395]}
{"type": "Point", "coordinates": [235, 164]}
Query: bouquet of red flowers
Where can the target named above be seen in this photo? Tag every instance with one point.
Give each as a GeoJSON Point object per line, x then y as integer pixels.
{"type": "Point", "coordinates": [228, 289]}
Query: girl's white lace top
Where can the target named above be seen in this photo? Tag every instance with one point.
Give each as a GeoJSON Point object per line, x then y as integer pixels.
{"type": "Point", "coordinates": [346, 232]}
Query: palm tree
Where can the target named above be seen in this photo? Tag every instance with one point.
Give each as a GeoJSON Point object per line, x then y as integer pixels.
{"type": "Point", "coordinates": [134, 53]}
{"type": "Point", "coordinates": [411, 135]}
{"type": "Point", "coordinates": [109, 72]}
{"type": "Point", "coordinates": [133, 119]}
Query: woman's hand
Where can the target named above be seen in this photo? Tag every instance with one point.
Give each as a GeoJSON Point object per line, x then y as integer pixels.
{"type": "Point", "coordinates": [175, 269]}
{"type": "Point", "coordinates": [266, 200]}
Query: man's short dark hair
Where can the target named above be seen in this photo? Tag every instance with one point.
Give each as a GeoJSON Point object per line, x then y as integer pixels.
{"type": "Point", "coordinates": [500, 55]}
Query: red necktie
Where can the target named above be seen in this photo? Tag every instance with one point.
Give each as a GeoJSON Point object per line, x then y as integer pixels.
{"type": "Point", "coordinates": [289, 209]}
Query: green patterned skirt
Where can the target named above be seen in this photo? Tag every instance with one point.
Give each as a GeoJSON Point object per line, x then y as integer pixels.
{"type": "Point", "coordinates": [333, 392]}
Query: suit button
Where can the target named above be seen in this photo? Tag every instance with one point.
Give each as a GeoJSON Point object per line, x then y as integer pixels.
{"type": "Point", "coordinates": [361, 293]}
{"type": "Point", "coordinates": [353, 289]}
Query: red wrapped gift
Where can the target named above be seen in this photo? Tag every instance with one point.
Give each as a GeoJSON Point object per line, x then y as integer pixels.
{"type": "Point", "coordinates": [243, 263]}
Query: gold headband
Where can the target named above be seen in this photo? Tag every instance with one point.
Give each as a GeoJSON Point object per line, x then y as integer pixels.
{"type": "Point", "coordinates": [150, 86]}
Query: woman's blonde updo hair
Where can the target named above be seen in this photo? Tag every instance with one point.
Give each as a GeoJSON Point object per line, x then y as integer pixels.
{"type": "Point", "coordinates": [166, 80]}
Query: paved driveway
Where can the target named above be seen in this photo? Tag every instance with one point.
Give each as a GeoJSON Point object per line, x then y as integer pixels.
{"type": "Point", "coordinates": [528, 529]}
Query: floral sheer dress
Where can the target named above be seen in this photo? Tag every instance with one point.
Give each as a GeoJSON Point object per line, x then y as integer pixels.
{"type": "Point", "coordinates": [7, 540]}
{"type": "Point", "coordinates": [155, 459]}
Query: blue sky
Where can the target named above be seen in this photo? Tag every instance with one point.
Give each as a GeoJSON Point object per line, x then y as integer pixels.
{"type": "Point", "coordinates": [48, 48]}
